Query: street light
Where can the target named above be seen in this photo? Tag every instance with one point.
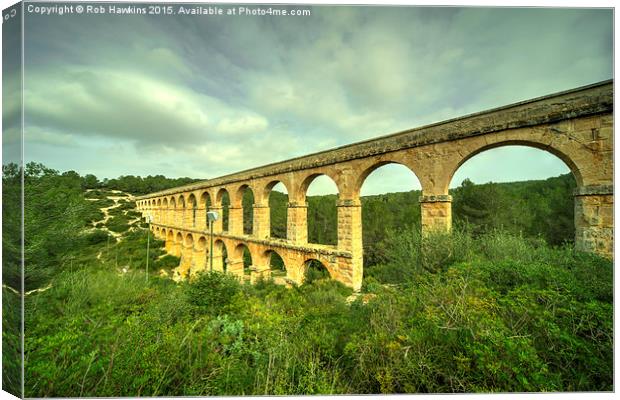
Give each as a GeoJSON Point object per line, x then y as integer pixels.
{"type": "Point", "coordinates": [149, 219]}
{"type": "Point", "coordinates": [211, 217]}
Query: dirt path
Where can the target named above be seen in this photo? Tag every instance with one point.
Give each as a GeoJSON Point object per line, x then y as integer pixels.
{"type": "Point", "coordinates": [107, 216]}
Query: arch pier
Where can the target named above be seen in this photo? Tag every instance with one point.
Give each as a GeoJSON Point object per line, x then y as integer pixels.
{"type": "Point", "coordinates": [575, 125]}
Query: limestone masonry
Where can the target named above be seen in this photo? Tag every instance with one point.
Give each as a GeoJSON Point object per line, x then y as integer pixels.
{"type": "Point", "coordinates": [575, 125]}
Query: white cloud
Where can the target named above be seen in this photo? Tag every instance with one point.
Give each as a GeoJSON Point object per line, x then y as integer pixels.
{"type": "Point", "coordinates": [109, 103]}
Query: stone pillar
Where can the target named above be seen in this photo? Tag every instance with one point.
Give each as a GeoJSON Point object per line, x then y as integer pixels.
{"type": "Point", "coordinates": [176, 249]}
{"type": "Point", "coordinates": [235, 267]}
{"type": "Point", "coordinates": [201, 219]}
{"type": "Point", "coordinates": [199, 260]}
{"type": "Point", "coordinates": [187, 217]}
{"type": "Point", "coordinates": [218, 226]}
{"type": "Point", "coordinates": [235, 220]}
{"type": "Point", "coordinates": [594, 219]}
{"type": "Point", "coordinates": [186, 260]}
{"type": "Point", "coordinates": [436, 213]}
{"type": "Point", "coordinates": [218, 260]}
{"type": "Point", "coordinates": [259, 272]}
{"type": "Point", "coordinates": [177, 217]}
{"type": "Point", "coordinates": [261, 223]}
{"type": "Point", "coordinates": [169, 246]}
{"type": "Point", "coordinates": [350, 271]}
{"type": "Point", "coordinates": [295, 271]}
{"type": "Point", "coordinates": [297, 222]}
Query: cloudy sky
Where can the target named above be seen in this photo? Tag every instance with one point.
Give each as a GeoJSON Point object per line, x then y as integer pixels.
{"type": "Point", "coordinates": [203, 96]}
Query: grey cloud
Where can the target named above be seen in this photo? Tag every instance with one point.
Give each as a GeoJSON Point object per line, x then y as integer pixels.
{"type": "Point", "coordinates": [213, 95]}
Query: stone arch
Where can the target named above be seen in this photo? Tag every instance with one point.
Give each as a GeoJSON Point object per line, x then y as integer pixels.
{"type": "Point", "coordinates": [301, 193]}
{"type": "Point", "coordinates": [242, 210]}
{"type": "Point", "coordinates": [172, 213]}
{"type": "Point", "coordinates": [169, 240]}
{"type": "Point", "coordinates": [322, 223]}
{"type": "Point", "coordinates": [192, 205]}
{"type": "Point", "coordinates": [277, 265]}
{"type": "Point", "coordinates": [379, 210]}
{"type": "Point", "coordinates": [181, 211]}
{"type": "Point", "coordinates": [482, 146]}
{"type": "Point", "coordinates": [219, 196]}
{"type": "Point", "coordinates": [277, 219]}
{"type": "Point", "coordinates": [237, 197]}
{"type": "Point", "coordinates": [188, 240]}
{"type": "Point", "coordinates": [308, 263]}
{"type": "Point", "coordinates": [205, 199]}
{"type": "Point", "coordinates": [191, 200]}
{"type": "Point", "coordinates": [266, 190]}
{"type": "Point", "coordinates": [178, 243]}
{"type": "Point", "coordinates": [372, 167]}
{"type": "Point", "coordinates": [482, 218]}
{"type": "Point", "coordinates": [204, 205]}
{"type": "Point", "coordinates": [223, 200]}
{"type": "Point", "coordinates": [242, 259]}
{"type": "Point", "coordinates": [220, 256]}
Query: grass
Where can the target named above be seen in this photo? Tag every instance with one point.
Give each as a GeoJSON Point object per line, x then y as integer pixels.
{"type": "Point", "coordinates": [500, 313]}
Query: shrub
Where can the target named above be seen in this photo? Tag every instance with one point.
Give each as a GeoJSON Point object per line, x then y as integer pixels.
{"type": "Point", "coordinates": [118, 224]}
{"type": "Point", "coordinates": [315, 271]}
{"type": "Point", "coordinates": [212, 292]}
{"type": "Point", "coordinates": [167, 261]}
{"type": "Point", "coordinates": [97, 236]}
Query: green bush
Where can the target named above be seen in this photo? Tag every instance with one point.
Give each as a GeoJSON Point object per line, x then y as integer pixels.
{"type": "Point", "coordinates": [481, 320]}
{"type": "Point", "coordinates": [118, 224]}
{"type": "Point", "coordinates": [97, 236]}
{"type": "Point", "coordinates": [213, 292]}
{"type": "Point", "coordinates": [167, 262]}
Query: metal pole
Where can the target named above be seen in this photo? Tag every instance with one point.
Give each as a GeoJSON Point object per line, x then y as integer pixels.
{"type": "Point", "coordinates": [148, 242]}
{"type": "Point", "coordinates": [211, 249]}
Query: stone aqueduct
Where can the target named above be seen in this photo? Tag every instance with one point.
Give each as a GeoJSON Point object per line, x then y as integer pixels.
{"type": "Point", "coordinates": [576, 126]}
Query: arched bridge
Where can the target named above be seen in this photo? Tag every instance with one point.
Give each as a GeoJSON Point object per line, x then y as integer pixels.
{"type": "Point", "coordinates": [575, 125]}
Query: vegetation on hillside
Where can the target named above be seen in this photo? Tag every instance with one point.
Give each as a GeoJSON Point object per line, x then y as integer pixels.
{"type": "Point", "coordinates": [500, 304]}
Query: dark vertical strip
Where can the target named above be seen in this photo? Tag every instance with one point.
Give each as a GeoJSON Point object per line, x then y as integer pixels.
{"type": "Point", "coordinates": [12, 202]}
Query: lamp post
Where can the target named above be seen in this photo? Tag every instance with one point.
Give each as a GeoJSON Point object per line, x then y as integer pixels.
{"type": "Point", "coordinates": [211, 217]}
{"type": "Point", "coordinates": [149, 218]}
